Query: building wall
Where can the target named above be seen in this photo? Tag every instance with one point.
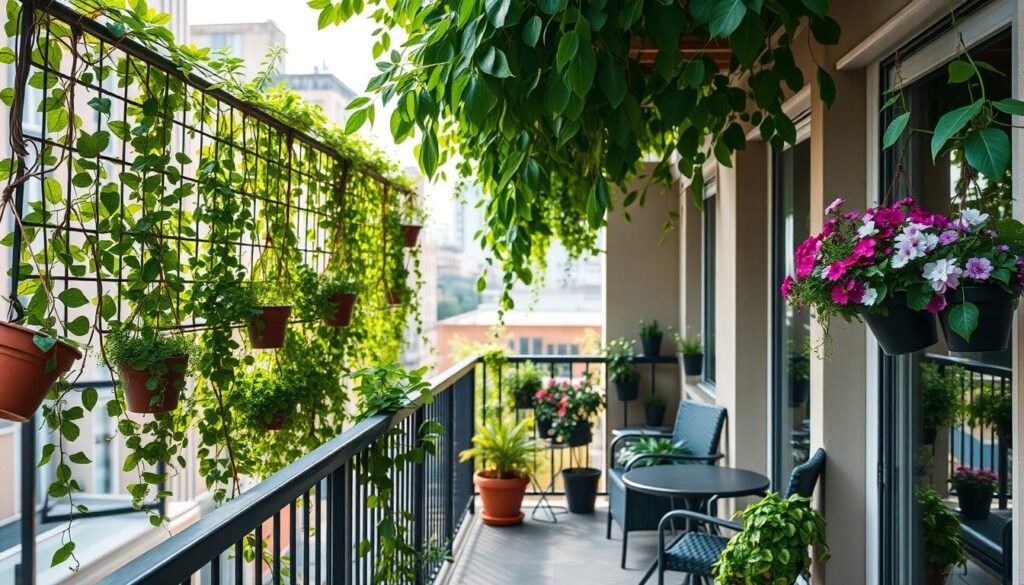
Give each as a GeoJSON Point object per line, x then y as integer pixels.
{"type": "Point", "coordinates": [248, 41]}
{"type": "Point", "coordinates": [451, 338]}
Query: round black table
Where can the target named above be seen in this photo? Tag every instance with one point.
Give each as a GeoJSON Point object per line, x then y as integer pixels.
{"type": "Point", "coordinates": [695, 483]}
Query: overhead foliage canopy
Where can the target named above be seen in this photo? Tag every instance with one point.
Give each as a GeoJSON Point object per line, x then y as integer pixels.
{"type": "Point", "coordinates": [549, 105]}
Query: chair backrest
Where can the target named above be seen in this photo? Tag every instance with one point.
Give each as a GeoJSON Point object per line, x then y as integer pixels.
{"type": "Point", "coordinates": [805, 477]}
{"type": "Point", "coordinates": [699, 427]}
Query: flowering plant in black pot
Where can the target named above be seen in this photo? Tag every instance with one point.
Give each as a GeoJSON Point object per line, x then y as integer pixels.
{"type": "Point", "coordinates": [619, 356]}
{"type": "Point", "coordinates": [974, 491]}
{"type": "Point", "coordinates": [691, 351]}
{"type": "Point", "coordinates": [650, 338]}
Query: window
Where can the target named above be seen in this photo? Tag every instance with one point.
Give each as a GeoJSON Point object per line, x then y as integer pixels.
{"type": "Point", "coordinates": [574, 349]}
{"type": "Point", "coordinates": [538, 345]}
{"type": "Point", "coordinates": [708, 288]}
{"type": "Point", "coordinates": [551, 349]}
{"type": "Point", "coordinates": [524, 345]}
{"type": "Point", "coordinates": [562, 348]}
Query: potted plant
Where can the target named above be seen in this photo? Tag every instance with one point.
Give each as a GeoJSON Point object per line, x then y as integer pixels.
{"type": "Point", "coordinates": [940, 398]}
{"type": "Point", "coordinates": [974, 491]}
{"type": "Point", "coordinates": [337, 301]}
{"type": "Point", "coordinates": [692, 351]}
{"type": "Point", "coordinates": [270, 314]}
{"type": "Point", "coordinates": [30, 361]}
{"type": "Point", "coordinates": [942, 545]}
{"type": "Point", "coordinates": [524, 385]}
{"type": "Point", "coordinates": [773, 546]}
{"type": "Point", "coordinates": [581, 401]}
{"type": "Point", "coordinates": [397, 288]}
{"type": "Point", "coordinates": [619, 356]}
{"type": "Point", "coordinates": [650, 338]}
{"type": "Point", "coordinates": [654, 410]}
{"type": "Point", "coordinates": [264, 401]}
{"type": "Point", "coordinates": [992, 408]}
{"type": "Point", "coordinates": [800, 375]}
{"type": "Point", "coordinates": [152, 367]}
{"type": "Point", "coordinates": [651, 446]}
{"type": "Point", "coordinates": [507, 452]}
{"type": "Point", "coordinates": [411, 222]}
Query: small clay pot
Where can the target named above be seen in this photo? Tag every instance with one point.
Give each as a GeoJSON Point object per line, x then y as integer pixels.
{"type": "Point", "coordinates": [275, 424]}
{"type": "Point", "coordinates": [394, 297]}
{"type": "Point", "coordinates": [23, 368]}
{"type": "Point", "coordinates": [410, 233]}
{"type": "Point", "coordinates": [344, 304]}
{"type": "Point", "coordinates": [168, 387]}
{"type": "Point", "coordinates": [267, 331]}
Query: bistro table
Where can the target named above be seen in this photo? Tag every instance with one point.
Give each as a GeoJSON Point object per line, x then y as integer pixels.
{"type": "Point", "coordinates": [694, 484]}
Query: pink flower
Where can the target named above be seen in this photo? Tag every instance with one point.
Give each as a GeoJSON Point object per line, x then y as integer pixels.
{"type": "Point", "coordinates": [787, 286]}
{"type": "Point", "coordinates": [889, 217]}
{"type": "Point", "coordinates": [540, 394]}
{"type": "Point", "coordinates": [979, 268]}
{"type": "Point", "coordinates": [1002, 248]}
{"type": "Point", "coordinates": [864, 248]}
{"type": "Point", "coordinates": [806, 255]}
{"type": "Point", "coordinates": [848, 292]}
{"type": "Point", "coordinates": [948, 237]}
{"type": "Point", "coordinates": [836, 270]}
{"type": "Point", "coordinates": [834, 206]}
{"type": "Point", "coordinates": [936, 304]}
{"type": "Point", "coordinates": [561, 412]}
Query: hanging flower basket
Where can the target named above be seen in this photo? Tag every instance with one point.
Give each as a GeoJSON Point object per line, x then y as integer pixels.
{"type": "Point", "coordinates": [900, 330]}
{"type": "Point", "coordinates": [23, 366]}
{"type": "Point", "coordinates": [154, 390]}
{"type": "Point", "coordinates": [993, 314]}
{"type": "Point", "coordinates": [267, 331]}
{"type": "Point", "coordinates": [410, 234]}
{"type": "Point", "coordinates": [342, 307]}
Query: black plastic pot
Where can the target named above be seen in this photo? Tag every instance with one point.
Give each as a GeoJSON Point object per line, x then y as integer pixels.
{"type": "Point", "coordinates": [654, 415]}
{"type": "Point", "coordinates": [903, 330]}
{"type": "Point", "coordinates": [581, 488]}
{"type": "Point", "coordinates": [543, 428]}
{"type": "Point", "coordinates": [651, 345]}
{"type": "Point", "coordinates": [974, 505]}
{"type": "Point", "coordinates": [693, 364]}
{"type": "Point", "coordinates": [799, 392]}
{"type": "Point", "coordinates": [524, 401]}
{"type": "Point", "coordinates": [580, 435]}
{"type": "Point", "coordinates": [995, 317]}
{"type": "Point", "coordinates": [930, 435]}
{"type": "Point", "coordinates": [628, 389]}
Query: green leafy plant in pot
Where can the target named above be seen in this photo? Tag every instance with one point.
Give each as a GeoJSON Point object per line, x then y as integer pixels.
{"type": "Point", "coordinates": [525, 384]}
{"type": "Point", "coordinates": [619, 356]}
{"type": "Point", "coordinates": [152, 367]}
{"type": "Point", "coordinates": [397, 291]}
{"type": "Point", "coordinates": [691, 351]}
{"type": "Point", "coordinates": [507, 451]}
{"type": "Point", "coordinates": [265, 400]}
{"type": "Point", "coordinates": [337, 301]}
{"type": "Point", "coordinates": [270, 313]}
{"type": "Point", "coordinates": [940, 398]}
{"type": "Point", "coordinates": [942, 545]}
{"type": "Point", "coordinates": [993, 408]}
{"type": "Point", "coordinates": [30, 362]}
{"type": "Point", "coordinates": [773, 546]}
{"type": "Point", "coordinates": [651, 446]}
{"type": "Point", "coordinates": [650, 338]}
{"type": "Point", "coordinates": [974, 491]}
{"type": "Point", "coordinates": [654, 410]}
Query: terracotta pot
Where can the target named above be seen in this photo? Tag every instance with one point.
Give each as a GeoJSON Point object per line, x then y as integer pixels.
{"type": "Point", "coordinates": [267, 331]}
{"type": "Point", "coordinates": [410, 233]}
{"type": "Point", "coordinates": [23, 368]}
{"type": "Point", "coordinates": [502, 499]}
{"type": "Point", "coordinates": [275, 424]}
{"type": "Point", "coordinates": [344, 304]}
{"type": "Point", "coordinates": [394, 297]}
{"type": "Point", "coordinates": [140, 398]}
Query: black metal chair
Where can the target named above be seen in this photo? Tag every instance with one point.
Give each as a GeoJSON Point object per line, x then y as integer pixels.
{"type": "Point", "coordinates": [696, 552]}
{"type": "Point", "coordinates": [699, 427]}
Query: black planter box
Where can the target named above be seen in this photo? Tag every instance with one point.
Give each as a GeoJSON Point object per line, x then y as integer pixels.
{"type": "Point", "coordinates": [651, 345]}
{"type": "Point", "coordinates": [627, 390]}
{"type": "Point", "coordinates": [581, 488]}
{"type": "Point", "coordinates": [693, 364]}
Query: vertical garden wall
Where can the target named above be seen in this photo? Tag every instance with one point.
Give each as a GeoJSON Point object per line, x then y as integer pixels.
{"type": "Point", "coordinates": [161, 213]}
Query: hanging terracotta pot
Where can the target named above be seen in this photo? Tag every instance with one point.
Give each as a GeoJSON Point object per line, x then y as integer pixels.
{"type": "Point", "coordinates": [341, 315]}
{"type": "Point", "coordinates": [23, 369]}
{"type": "Point", "coordinates": [903, 330]}
{"type": "Point", "coordinates": [267, 331]}
{"type": "Point", "coordinates": [394, 297]}
{"type": "Point", "coordinates": [274, 424]}
{"type": "Point", "coordinates": [995, 317]}
{"type": "Point", "coordinates": [168, 388]}
{"type": "Point", "coordinates": [410, 233]}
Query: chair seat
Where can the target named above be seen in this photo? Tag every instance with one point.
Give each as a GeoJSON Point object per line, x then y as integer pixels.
{"type": "Point", "coordinates": [695, 553]}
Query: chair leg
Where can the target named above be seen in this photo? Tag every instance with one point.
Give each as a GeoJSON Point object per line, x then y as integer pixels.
{"type": "Point", "coordinates": [608, 533]}
{"type": "Point", "coordinates": [625, 538]}
{"type": "Point", "coordinates": [661, 575]}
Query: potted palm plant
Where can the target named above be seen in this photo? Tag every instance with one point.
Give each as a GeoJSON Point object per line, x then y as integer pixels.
{"type": "Point", "coordinates": [942, 545]}
{"type": "Point", "coordinates": [654, 410]}
{"type": "Point", "coordinates": [270, 314]}
{"type": "Point", "coordinates": [264, 401]}
{"type": "Point", "coordinates": [30, 362]}
{"type": "Point", "coordinates": [507, 451]}
{"type": "Point", "coordinates": [940, 398]}
{"type": "Point", "coordinates": [650, 338]}
{"type": "Point", "coordinates": [974, 491]}
{"type": "Point", "coordinates": [691, 351]}
{"type": "Point", "coordinates": [152, 367]}
{"type": "Point", "coordinates": [619, 356]}
{"type": "Point", "coordinates": [524, 385]}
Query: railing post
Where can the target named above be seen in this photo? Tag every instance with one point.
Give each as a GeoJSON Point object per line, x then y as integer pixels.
{"type": "Point", "coordinates": [419, 494]}
{"type": "Point", "coordinates": [1004, 472]}
{"type": "Point", "coordinates": [337, 516]}
{"type": "Point", "coordinates": [449, 459]}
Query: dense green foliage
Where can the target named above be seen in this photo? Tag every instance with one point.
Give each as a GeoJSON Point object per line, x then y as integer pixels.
{"type": "Point", "coordinates": [992, 407]}
{"type": "Point", "coordinates": [652, 446]}
{"type": "Point", "coordinates": [548, 105]}
{"type": "Point", "coordinates": [524, 384]}
{"type": "Point", "coordinates": [194, 166]}
{"type": "Point", "coordinates": [940, 395]}
{"type": "Point", "coordinates": [942, 545]}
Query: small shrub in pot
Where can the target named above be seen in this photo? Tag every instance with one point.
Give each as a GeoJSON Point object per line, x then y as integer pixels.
{"type": "Point", "coordinates": [651, 446]}
{"type": "Point", "coordinates": [940, 398]}
{"type": "Point", "coordinates": [943, 547]}
{"type": "Point", "coordinates": [336, 300]}
{"type": "Point", "coordinates": [650, 338]}
{"type": "Point", "coordinates": [524, 386]}
{"type": "Point", "coordinates": [692, 351]}
{"type": "Point", "coordinates": [654, 410]}
{"type": "Point", "coordinates": [30, 363]}
{"type": "Point", "coordinates": [270, 312]}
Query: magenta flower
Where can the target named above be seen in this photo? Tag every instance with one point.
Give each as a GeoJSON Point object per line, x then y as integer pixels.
{"type": "Point", "coordinates": [865, 248]}
{"type": "Point", "coordinates": [889, 217]}
{"type": "Point", "coordinates": [948, 237]}
{"type": "Point", "coordinates": [806, 255]}
{"type": "Point", "coordinates": [848, 292]}
{"type": "Point", "coordinates": [979, 268]}
{"type": "Point", "coordinates": [835, 271]}
{"type": "Point", "coordinates": [936, 304]}
{"type": "Point", "coordinates": [787, 286]}
{"type": "Point", "coordinates": [834, 206]}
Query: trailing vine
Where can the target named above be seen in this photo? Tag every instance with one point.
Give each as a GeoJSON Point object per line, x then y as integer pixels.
{"type": "Point", "coordinates": [166, 211]}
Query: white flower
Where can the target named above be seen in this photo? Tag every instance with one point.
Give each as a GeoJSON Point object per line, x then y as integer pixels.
{"type": "Point", "coordinates": [870, 296]}
{"type": "Point", "coordinates": [867, 229]}
{"type": "Point", "coordinates": [972, 217]}
{"type": "Point", "coordinates": [942, 274]}
{"type": "Point", "coordinates": [902, 256]}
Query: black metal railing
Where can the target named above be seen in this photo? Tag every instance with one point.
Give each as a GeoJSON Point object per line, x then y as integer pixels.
{"type": "Point", "coordinates": [976, 445]}
{"type": "Point", "coordinates": [305, 523]}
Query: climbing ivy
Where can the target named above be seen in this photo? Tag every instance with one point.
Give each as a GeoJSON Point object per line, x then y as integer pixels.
{"type": "Point", "coordinates": [214, 205]}
{"type": "Point", "coordinates": [549, 105]}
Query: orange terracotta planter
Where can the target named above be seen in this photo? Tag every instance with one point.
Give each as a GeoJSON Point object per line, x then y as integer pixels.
{"type": "Point", "coordinates": [140, 398]}
{"type": "Point", "coordinates": [502, 499]}
{"type": "Point", "coordinates": [410, 233]}
{"type": "Point", "coordinates": [23, 369]}
{"type": "Point", "coordinates": [267, 331]}
{"type": "Point", "coordinates": [394, 297]}
{"type": "Point", "coordinates": [344, 304]}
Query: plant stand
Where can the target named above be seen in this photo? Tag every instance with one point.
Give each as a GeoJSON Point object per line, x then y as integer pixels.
{"type": "Point", "coordinates": [544, 503]}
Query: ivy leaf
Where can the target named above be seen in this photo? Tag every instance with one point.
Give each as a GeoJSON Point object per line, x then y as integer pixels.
{"type": "Point", "coordinates": [89, 398]}
{"type": "Point", "coordinates": [725, 17]}
{"type": "Point", "coordinates": [818, 7]}
{"type": "Point", "coordinates": [952, 122]}
{"type": "Point", "coordinates": [748, 40]}
{"type": "Point", "coordinates": [91, 145]}
{"type": "Point", "coordinates": [151, 270]}
{"type": "Point", "coordinates": [52, 190]}
{"type": "Point", "coordinates": [963, 319]}
{"type": "Point", "coordinates": [101, 105]}
{"type": "Point", "coordinates": [46, 455]}
{"type": "Point", "coordinates": [988, 150]}
{"type": "Point", "coordinates": [356, 120]}
{"type": "Point", "coordinates": [895, 129]}
{"type": "Point", "coordinates": [552, 6]}
{"type": "Point", "coordinates": [567, 47]}
{"type": "Point", "coordinates": [494, 63]}
{"type": "Point", "coordinates": [613, 82]}
{"type": "Point", "coordinates": [826, 30]}
{"type": "Point", "coordinates": [693, 73]}
{"type": "Point", "coordinates": [479, 100]}
{"type": "Point", "coordinates": [80, 458]}
{"type": "Point", "coordinates": [73, 298]}
{"type": "Point", "coordinates": [79, 326]}
{"type": "Point", "coordinates": [960, 71]}
{"type": "Point", "coordinates": [582, 70]}
{"type": "Point", "coordinates": [597, 203]}
{"type": "Point", "coordinates": [531, 31]}
{"type": "Point", "coordinates": [64, 552]}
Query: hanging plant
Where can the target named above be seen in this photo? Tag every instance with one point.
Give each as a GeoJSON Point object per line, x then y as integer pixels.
{"type": "Point", "coordinates": [265, 400]}
{"type": "Point", "coordinates": [338, 299]}
{"type": "Point", "coordinates": [31, 363]}
{"type": "Point", "coordinates": [152, 367]}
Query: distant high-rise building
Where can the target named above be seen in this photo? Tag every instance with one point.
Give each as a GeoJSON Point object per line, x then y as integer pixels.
{"type": "Point", "coordinates": [248, 40]}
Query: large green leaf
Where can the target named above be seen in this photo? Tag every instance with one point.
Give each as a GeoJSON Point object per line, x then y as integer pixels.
{"type": "Point", "coordinates": [895, 130]}
{"type": "Point", "coordinates": [963, 319]}
{"type": "Point", "coordinates": [497, 11]}
{"type": "Point", "coordinates": [567, 47]}
{"type": "Point", "coordinates": [91, 145]}
{"type": "Point", "coordinates": [612, 79]}
{"type": "Point", "coordinates": [531, 31]}
{"type": "Point", "coordinates": [952, 122]}
{"type": "Point", "coordinates": [428, 153]}
{"type": "Point", "coordinates": [479, 100]}
{"type": "Point", "coordinates": [494, 63]}
{"type": "Point", "coordinates": [748, 40]}
{"type": "Point", "coordinates": [960, 71]}
{"type": "Point", "coordinates": [988, 150]}
{"type": "Point", "coordinates": [725, 17]}
{"type": "Point", "coordinates": [1010, 106]}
